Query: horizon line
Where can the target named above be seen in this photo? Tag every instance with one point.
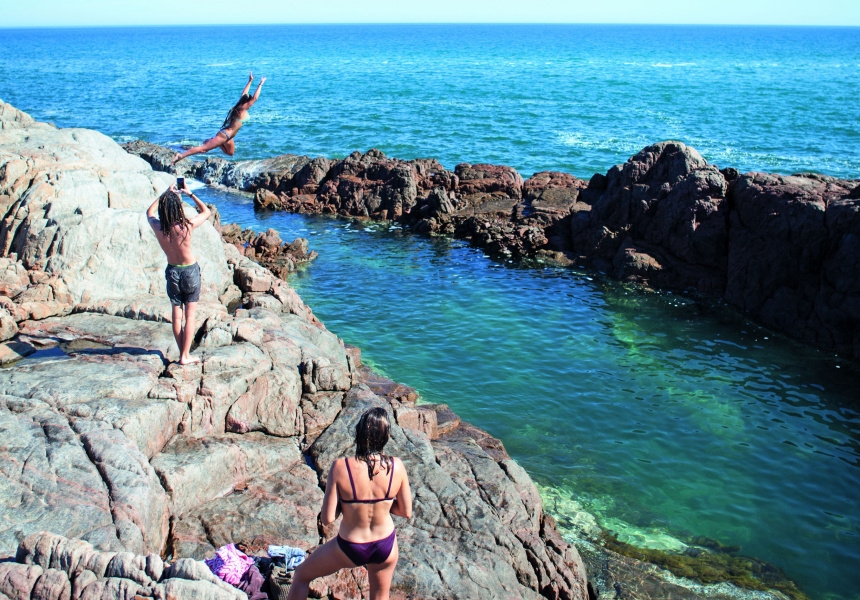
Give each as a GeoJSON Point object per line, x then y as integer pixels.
{"type": "Point", "coordinates": [433, 23]}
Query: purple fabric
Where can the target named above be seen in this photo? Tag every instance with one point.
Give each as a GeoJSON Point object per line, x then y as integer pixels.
{"type": "Point", "coordinates": [252, 584]}
{"type": "Point", "coordinates": [230, 564]}
{"type": "Point", "coordinates": [368, 552]}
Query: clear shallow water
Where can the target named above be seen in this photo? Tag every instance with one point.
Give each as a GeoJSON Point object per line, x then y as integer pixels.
{"type": "Point", "coordinates": [658, 415]}
{"type": "Point", "coordinates": [536, 97]}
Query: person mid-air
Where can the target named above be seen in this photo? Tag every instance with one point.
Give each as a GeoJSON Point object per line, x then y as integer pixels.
{"type": "Point", "coordinates": [237, 116]}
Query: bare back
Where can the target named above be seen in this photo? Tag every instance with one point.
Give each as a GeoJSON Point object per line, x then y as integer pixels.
{"type": "Point", "coordinates": [177, 247]}
{"type": "Point", "coordinates": [369, 519]}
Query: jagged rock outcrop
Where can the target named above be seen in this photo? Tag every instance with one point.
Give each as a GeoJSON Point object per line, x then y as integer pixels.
{"type": "Point", "coordinates": [779, 248]}
{"type": "Point", "coordinates": [132, 457]}
{"type": "Point", "coordinates": [53, 567]}
{"type": "Point", "coordinates": [268, 249]}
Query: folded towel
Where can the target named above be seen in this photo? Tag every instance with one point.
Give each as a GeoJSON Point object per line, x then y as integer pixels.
{"type": "Point", "coordinates": [292, 557]}
{"type": "Point", "coordinates": [229, 564]}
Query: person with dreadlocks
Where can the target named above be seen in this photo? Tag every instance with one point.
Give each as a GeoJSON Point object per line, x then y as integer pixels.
{"type": "Point", "coordinates": [173, 232]}
{"type": "Point", "coordinates": [367, 488]}
{"type": "Point", "coordinates": [237, 116]}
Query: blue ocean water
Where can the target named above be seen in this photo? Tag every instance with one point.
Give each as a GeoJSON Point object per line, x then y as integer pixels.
{"type": "Point", "coordinates": [659, 416]}
{"type": "Point", "coordinates": [665, 419]}
{"type": "Point", "coordinates": [571, 98]}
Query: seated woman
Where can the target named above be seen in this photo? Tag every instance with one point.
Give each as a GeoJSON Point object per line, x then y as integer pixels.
{"type": "Point", "coordinates": [367, 488]}
{"type": "Point", "coordinates": [237, 116]}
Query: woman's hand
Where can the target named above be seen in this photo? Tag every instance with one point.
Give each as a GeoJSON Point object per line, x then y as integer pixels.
{"type": "Point", "coordinates": [262, 81]}
{"type": "Point", "coordinates": [250, 77]}
{"type": "Point", "coordinates": [185, 190]}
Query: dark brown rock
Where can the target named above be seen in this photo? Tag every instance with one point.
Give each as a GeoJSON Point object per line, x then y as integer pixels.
{"type": "Point", "coordinates": [488, 179]}
{"type": "Point", "coordinates": [789, 255]}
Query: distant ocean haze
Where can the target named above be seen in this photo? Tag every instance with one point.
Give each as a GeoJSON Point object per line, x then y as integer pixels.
{"type": "Point", "coordinates": [536, 97]}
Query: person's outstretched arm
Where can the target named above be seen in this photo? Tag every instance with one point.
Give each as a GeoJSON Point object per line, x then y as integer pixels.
{"type": "Point", "coordinates": [203, 211]}
{"type": "Point", "coordinates": [248, 85]}
{"type": "Point", "coordinates": [402, 506]}
{"type": "Point", "coordinates": [152, 216]}
{"type": "Point", "coordinates": [256, 95]}
{"type": "Point", "coordinates": [259, 87]}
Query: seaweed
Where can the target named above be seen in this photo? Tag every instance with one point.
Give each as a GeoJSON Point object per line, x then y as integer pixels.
{"type": "Point", "coordinates": [708, 561]}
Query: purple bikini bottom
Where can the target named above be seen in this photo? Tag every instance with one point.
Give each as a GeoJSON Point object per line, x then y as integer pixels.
{"type": "Point", "coordinates": [368, 552]}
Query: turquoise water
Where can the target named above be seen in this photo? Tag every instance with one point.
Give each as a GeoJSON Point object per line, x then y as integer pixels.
{"type": "Point", "coordinates": [570, 98]}
{"type": "Point", "coordinates": [656, 413]}
{"type": "Point", "coordinates": [660, 415]}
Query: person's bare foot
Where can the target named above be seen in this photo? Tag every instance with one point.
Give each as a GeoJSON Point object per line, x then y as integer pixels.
{"type": "Point", "coordinates": [189, 360]}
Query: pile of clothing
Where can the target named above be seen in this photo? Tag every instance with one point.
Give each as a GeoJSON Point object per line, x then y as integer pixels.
{"type": "Point", "coordinates": [249, 573]}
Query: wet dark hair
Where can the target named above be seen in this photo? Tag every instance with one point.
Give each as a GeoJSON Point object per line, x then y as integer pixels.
{"type": "Point", "coordinates": [170, 212]}
{"type": "Point", "coordinates": [234, 112]}
{"type": "Point", "coordinates": [371, 435]}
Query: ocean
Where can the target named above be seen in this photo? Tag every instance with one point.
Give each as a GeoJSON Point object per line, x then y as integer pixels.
{"type": "Point", "coordinates": [664, 418]}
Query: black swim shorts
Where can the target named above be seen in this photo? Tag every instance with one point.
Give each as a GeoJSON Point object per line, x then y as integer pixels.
{"type": "Point", "coordinates": [183, 283]}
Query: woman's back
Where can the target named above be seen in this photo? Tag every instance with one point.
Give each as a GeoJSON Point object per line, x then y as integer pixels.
{"type": "Point", "coordinates": [366, 502]}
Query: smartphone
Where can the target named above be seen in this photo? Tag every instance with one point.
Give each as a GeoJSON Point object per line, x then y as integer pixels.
{"type": "Point", "coordinates": [180, 182]}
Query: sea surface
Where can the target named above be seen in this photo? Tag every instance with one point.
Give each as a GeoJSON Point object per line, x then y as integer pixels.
{"type": "Point", "coordinates": [571, 98]}
{"type": "Point", "coordinates": [665, 418]}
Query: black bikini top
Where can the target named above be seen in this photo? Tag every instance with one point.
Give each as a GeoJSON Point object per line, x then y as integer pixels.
{"type": "Point", "coordinates": [355, 500]}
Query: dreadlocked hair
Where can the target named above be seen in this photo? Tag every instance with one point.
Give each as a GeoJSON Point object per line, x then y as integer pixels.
{"type": "Point", "coordinates": [234, 112]}
{"type": "Point", "coordinates": [371, 435]}
{"type": "Point", "coordinates": [170, 212]}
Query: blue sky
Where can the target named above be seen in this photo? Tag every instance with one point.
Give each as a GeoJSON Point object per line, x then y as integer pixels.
{"type": "Point", "coordinates": [53, 13]}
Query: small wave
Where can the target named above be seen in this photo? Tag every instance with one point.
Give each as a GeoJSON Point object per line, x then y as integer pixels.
{"type": "Point", "coordinates": [614, 144]}
{"type": "Point", "coordinates": [672, 65]}
{"type": "Point", "coordinates": [228, 64]}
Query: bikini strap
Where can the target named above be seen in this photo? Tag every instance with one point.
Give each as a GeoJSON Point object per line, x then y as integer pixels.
{"type": "Point", "coordinates": [351, 481]}
{"type": "Point", "coordinates": [390, 479]}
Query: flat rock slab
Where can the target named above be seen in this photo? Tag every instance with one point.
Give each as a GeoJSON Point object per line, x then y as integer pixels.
{"type": "Point", "coordinates": [124, 335]}
{"type": "Point", "coordinates": [83, 378]}
{"type": "Point", "coordinates": [279, 509]}
{"type": "Point", "coordinates": [197, 470]}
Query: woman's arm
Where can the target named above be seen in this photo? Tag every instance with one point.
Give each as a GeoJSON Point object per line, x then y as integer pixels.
{"type": "Point", "coordinates": [330, 506]}
{"type": "Point", "coordinates": [256, 95]}
{"type": "Point", "coordinates": [259, 87]}
{"type": "Point", "coordinates": [402, 506]}
{"type": "Point", "coordinates": [248, 85]}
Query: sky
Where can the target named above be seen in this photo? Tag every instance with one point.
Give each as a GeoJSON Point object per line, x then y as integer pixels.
{"type": "Point", "coordinates": [76, 13]}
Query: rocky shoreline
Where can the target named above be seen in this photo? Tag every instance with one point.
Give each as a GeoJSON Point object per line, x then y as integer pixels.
{"type": "Point", "coordinates": [119, 466]}
{"type": "Point", "coordinates": [781, 249]}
